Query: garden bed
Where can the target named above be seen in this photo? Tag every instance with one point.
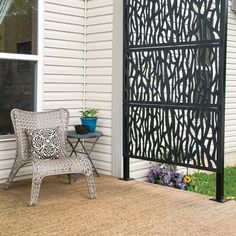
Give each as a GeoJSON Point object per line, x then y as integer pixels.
{"type": "Point", "coordinates": [198, 182]}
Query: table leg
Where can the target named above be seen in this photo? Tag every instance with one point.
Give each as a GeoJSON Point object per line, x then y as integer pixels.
{"type": "Point", "coordinates": [73, 151]}
{"type": "Point", "coordinates": [73, 147]}
{"type": "Point", "coordinates": [88, 154]}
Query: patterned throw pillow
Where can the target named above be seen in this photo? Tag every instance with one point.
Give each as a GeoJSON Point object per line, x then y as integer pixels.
{"type": "Point", "coordinates": [45, 143]}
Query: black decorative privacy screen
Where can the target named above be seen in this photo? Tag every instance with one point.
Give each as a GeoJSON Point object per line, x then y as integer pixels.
{"type": "Point", "coordinates": [174, 79]}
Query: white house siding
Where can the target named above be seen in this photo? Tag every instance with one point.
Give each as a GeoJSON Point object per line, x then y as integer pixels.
{"type": "Point", "coordinates": [64, 62]}
{"type": "Point", "coordinates": [7, 155]}
{"type": "Point", "coordinates": [64, 41]}
{"type": "Point", "coordinates": [99, 32]}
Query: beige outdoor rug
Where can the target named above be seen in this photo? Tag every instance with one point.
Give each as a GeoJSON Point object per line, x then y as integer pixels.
{"type": "Point", "coordinates": [121, 208]}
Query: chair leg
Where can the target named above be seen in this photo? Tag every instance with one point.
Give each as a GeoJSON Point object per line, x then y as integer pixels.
{"type": "Point", "coordinates": [84, 167]}
{"type": "Point", "coordinates": [69, 178]}
{"type": "Point", "coordinates": [36, 183]}
{"type": "Point", "coordinates": [15, 168]}
{"type": "Point", "coordinates": [91, 185]}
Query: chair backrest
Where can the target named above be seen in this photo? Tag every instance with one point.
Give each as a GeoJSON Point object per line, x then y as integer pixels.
{"type": "Point", "coordinates": [23, 120]}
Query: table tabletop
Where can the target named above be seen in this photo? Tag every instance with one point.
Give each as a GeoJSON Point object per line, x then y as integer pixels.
{"type": "Point", "coordinates": [73, 134]}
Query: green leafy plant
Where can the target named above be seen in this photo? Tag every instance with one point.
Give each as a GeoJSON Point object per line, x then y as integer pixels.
{"type": "Point", "coordinates": [204, 183]}
{"type": "Point", "coordinates": [89, 113]}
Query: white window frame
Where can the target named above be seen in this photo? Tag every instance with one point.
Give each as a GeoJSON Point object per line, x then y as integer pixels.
{"type": "Point", "coordinates": [38, 59]}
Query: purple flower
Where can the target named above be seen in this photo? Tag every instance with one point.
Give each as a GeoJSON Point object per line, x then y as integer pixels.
{"type": "Point", "coordinates": [166, 176]}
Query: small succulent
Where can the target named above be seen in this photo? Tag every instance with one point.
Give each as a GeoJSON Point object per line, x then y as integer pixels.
{"type": "Point", "coordinates": [89, 113]}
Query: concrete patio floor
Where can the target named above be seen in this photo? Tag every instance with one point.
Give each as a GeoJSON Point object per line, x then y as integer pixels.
{"type": "Point", "coordinates": [121, 208]}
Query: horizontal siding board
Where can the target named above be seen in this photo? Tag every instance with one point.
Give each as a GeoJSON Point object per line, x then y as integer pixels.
{"type": "Point", "coordinates": [7, 154]}
{"type": "Point", "coordinates": [64, 53]}
{"type": "Point", "coordinates": [53, 43]}
{"type": "Point", "coordinates": [68, 3]}
{"type": "Point", "coordinates": [99, 79]}
{"type": "Point", "coordinates": [140, 165]}
{"type": "Point", "coordinates": [64, 27]}
{"type": "Point", "coordinates": [102, 148]}
{"type": "Point", "coordinates": [99, 71]}
{"type": "Point", "coordinates": [65, 70]}
{"type": "Point", "coordinates": [60, 96]}
{"type": "Point", "coordinates": [71, 62]}
{"type": "Point", "coordinates": [66, 19]}
{"type": "Point", "coordinates": [102, 165]}
{"type": "Point", "coordinates": [26, 170]}
{"type": "Point", "coordinates": [74, 104]}
{"type": "Point", "coordinates": [101, 156]}
{"type": "Point", "coordinates": [98, 54]}
{"type": "Point", "coordinates": [104, 122]}
{"type": "Point", "coordinates": [63, 79]}
{"type": "Point", "coordinates": [7, 145]}
{"type": "Point", "coordinates": [99, 45]}
{"type": "Point", "coordinates": [17, 178]}
{"type": "Point", "coordinates": [106, 105]}
{"type": "Point", "coordinates": [58, 35]}
{"type": "Point", "coordinates": [6, 164]}
{"type": "Point", "coordinates": [100, 11]}
{"type": "Point", "coordinates": [99, 62]}
{"type": "Point", "coordinates": [99, 88]}
{"type": "Point", "coordinates": [99, 20]}
{"type": "Point", "coordinates": [63, 87]}
{"type": "Point", "coordinates": [106, 97]}
{"type": "Point", "coordinates": [65, 9]}
{"type": "Point", "coordinates": [105, 140]}
{"type": "Point", "coordinates": [139, 174]}
{"type": "Point", "coordinates": [101, 3]}
{"type": "Point", "coordinates": [93, 29]}
{"type": "Point", "coordinates": [99, 37]}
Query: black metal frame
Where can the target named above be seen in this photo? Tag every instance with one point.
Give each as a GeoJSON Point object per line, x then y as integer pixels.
{"type": "Point", "coordinates": [174, 71]}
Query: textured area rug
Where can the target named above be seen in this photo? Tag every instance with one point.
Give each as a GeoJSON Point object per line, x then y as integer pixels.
{"type": "Point", "coordinates": [121, 208]}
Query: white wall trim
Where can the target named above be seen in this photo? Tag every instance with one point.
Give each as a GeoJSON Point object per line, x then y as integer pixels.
{"type": "Point", "coordinates": [117, 88]}
{"type": "Point", "coordinates": [18, 57]}
{"type": "Point", "coordinates": [233, 6]}
{"type": "Point", "coordinates": [85, 53]}
{"type": "Point", "coordinates": [40, 70]}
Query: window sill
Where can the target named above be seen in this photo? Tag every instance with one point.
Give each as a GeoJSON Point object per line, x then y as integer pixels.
{"type": "Point", "coordinates": [8, 137]}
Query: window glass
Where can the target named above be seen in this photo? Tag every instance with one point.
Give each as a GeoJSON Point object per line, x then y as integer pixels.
{"type": "Point", "coordinates": [17, 86]}
{"type": "Point", "coordinates": [18, 26]}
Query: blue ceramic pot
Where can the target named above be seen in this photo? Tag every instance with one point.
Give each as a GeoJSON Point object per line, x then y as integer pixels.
{"type": "Point", "coordinates": [91, 122]}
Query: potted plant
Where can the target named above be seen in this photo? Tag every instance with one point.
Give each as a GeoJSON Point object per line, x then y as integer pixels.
{"type": "Point", "coordinates": [89, 118]}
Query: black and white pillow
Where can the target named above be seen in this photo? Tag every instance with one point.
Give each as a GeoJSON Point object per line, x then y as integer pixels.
{"type": "Point", "coordinates": [45, 143]}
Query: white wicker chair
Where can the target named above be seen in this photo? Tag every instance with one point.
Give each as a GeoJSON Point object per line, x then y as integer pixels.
{"type": "Point", "coordinates": [25, 120]}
